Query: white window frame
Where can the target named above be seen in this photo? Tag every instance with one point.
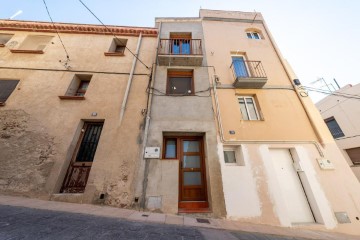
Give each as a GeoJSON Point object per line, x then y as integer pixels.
{"type": "Point", "coordinates": [239, 158]}
{"type": "Point", "coordinates": [252, 34]}
{"type": "Point", "coordinates": [247, 109]}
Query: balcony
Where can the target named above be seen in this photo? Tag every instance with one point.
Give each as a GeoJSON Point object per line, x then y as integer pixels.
{"type": "Point", "coordinates": [248, 74]}
{"type": "Point", "coordinates": [180, 52]}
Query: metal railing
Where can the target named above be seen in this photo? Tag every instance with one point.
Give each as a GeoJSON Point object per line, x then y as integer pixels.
{"type": "Point", "coordinates": [180, 47]}
{"type": "Point", "coordinates": [76, 179]}
{"type": "Point", "coordinates": [247, 69]}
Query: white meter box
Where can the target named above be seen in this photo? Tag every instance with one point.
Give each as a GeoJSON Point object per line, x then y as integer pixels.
{"type": "Point", "coordinates": [152, 152]}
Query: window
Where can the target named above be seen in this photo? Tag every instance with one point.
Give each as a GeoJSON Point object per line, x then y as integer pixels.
{"type": "Point", "coordinates": [117, 47]}
{"type": "Point", "coordinates": [233, 156]}
{"type": "Point", "coordinates": [6, 88]}
{"type": "Point", "coordinates": [78, 87]}
{"type": "Point", "coordinates": [4, 38]}
{"type": "Point", "coordinates": [33, 44]}
{"type": "Point", "coordinates": [180, 43]}
{"type": "Point", "coordinates": [180, 82]}
{"type": "Point", "coordinates": [229, 157]}
{"type": "Point", "coordinates": [170, 148]}
{"type": "Point", "coordinates": [82, 88]}
{"type": "Point", "coordinates": [354, 154]}
{"type": "Point", "coordinates": [334, 127]}
{"type": "Point", "coordinates": [253, 35]}
{"type": "Point", "coordinates": [248, 108]}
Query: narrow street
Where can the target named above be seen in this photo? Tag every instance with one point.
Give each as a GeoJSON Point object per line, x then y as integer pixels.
{"type": "Point", "coordinates": [29, 223]}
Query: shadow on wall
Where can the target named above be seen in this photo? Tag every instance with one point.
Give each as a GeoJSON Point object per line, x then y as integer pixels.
{"type": "Point", "coordinates": [26, 154]}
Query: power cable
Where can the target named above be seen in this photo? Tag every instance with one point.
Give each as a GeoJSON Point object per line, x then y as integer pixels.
{"type": "Point", "coordinates": [57, 32]}
{"type": "Point", "coordinates": [113, 34]}
{"type": "Point", "coordinates": [159, 93]}
{"type": "Point", "coordinates": [338, 94]}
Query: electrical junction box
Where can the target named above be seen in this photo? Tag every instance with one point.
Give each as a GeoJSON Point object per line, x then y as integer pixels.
{"type": "Point", "coordinates": [325, 164]}
{"type": "Point", "coordinates": [152, 152]}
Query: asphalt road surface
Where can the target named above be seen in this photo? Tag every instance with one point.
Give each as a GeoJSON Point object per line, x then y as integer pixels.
{"type": "Point", "coordinates": [28, 223]}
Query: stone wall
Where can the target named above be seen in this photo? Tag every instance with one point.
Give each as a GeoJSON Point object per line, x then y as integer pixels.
{"type": "Point", "coordinates": [26, 154]}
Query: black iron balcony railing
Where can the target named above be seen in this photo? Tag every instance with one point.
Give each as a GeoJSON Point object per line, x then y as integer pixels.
{"type": "Point", "coordinates": [180, 47]}
{"type": "Point", "coordinates": [247, 69]}
{"type": "Point", "coordinates": [248, 74]}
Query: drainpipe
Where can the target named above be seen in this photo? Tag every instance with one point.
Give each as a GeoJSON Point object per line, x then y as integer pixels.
{"type": "Point", "coordinates": [223, 140]}
{"type": "Point", "coordinates": [123, 105]}
{"type": "Point", "coordinates": [145, 173]}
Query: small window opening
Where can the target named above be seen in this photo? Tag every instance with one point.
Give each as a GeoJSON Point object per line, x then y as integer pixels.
{"type": "Point", "coordinates": [170, 148]}
{"type": "Point", "coordinates": [79, 85]}
{"type": "Point", "coordinates": [35, 42]}
{"type": "Point", "coordinates": [117, 47]}
{"type": "Point", "coordinates": [229, 157]}
{"type": "Point", "coordinates": [4, 38]}
{"type": "Point", "coordinates": [6, 88]}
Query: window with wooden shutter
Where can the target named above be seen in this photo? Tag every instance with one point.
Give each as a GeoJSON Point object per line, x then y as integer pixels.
{"type": "Point", "coordinates": [6, 88]}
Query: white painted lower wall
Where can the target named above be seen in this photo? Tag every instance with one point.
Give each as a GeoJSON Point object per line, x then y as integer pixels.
{"type": "Point", "coordinates": [239, 185]}
{"type": "Point", "coordinates": [244, 184]}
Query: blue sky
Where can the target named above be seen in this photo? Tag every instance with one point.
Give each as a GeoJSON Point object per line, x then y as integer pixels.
{"type": "Point", "coordinates": [319, 38]}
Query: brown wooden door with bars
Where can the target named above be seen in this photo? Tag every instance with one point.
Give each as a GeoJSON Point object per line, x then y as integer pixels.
{"type": "Point", "coordinates": [80, 165]}
{"type": "Point", "coordinates": [192, 179]}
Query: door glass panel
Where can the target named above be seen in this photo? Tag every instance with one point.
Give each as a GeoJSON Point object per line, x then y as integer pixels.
{"type": "Point", "coordinates": [240, 67]}
{"type": "Point", "coordinates": [185, 46]}
{"type": "Point", "coordinates": [192, 178]}
{"type": "Point", "coordinates": [176, 46]}
{"type": "Point", "coordinates": [191, 146]}
{"type": "Point", "coordinates": [170, 151]}
{"type": "Point", "coordinates": [191, 162]}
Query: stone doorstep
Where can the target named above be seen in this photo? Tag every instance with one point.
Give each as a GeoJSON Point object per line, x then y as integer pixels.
{"type": "Point", "coordinates": [107, 211]}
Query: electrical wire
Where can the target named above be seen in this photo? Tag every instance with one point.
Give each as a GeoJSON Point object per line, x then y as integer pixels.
{"type": "Point", "coordinates": [57, 32]}
{"type": "Point", "coordinates": [338, 94]}
{"type": "Point", "coordinates": [113, 34]}
{"type": "Point", "coordinates": [159, 93]}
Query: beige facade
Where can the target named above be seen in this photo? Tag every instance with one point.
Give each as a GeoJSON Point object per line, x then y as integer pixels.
{"type": "Point", "coordinates": [341, 113]}
{"type": "Point", "coordinates": [42, 119]}
{"type": "Point", "coordinates": [287, 169]}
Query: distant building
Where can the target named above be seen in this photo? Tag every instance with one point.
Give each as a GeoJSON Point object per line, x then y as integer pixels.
{"type": "Point", "coordinates": [70, 130]}
{"type": "Point", "coordinates": [341, 113]}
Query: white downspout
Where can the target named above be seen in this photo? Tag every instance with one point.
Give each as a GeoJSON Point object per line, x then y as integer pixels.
{"type": "Point", "coordinates": [123, 105]}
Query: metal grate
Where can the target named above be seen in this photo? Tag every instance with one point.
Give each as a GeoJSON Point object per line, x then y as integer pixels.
{"type": "Point", "coordinates": [203, 220]}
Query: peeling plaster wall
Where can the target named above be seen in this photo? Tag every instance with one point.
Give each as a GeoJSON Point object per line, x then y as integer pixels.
{"type": "Point", "coordinates": [26, 153]}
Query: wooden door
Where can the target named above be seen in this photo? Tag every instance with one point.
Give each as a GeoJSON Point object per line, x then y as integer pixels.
{"type": "Point", "coordinates": [192, 179]}
{"type": "Point", "coordinates": [80, 165]}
